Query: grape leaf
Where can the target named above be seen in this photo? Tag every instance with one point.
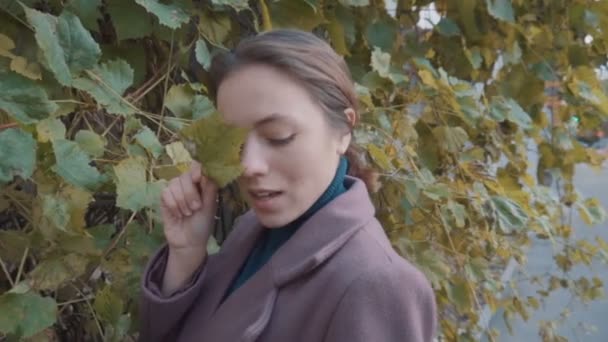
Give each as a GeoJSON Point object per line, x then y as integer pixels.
{"type": "Point", "coordinates": [172, 15]}
{"type": "Point", "coordinates": [73, 165]}
{"type": "Point", "coordinates": [67, 46]}
{"type": "Point", "coordinates": [87, 11]}
{"type": "Point", "coordinates": [50, 129]}
{"type": "Point", "coordinates": [17, 154]}
{"type": "Point", "coordinates": [202, 54]}
{"type": "Point", "coordinates": [216, 145]}
{"type": "Point", "coordinates": [91, 142]}
{"type": "Point", "coordinates": [148, 140]}
{"type": "Point", "coordinates": [107, 84]}
{"type": "Point", "coordinates": [133, 190]}
{"type": "Point", "coordinates": [26, 314]}
{"type": "Point", "coordinates": [23, 99]}
{"type": "Point", "coordinates": [108, 305]}
{"type": "Point", "coordinates": [122, 13]}
{"type": "Point", "coordinates": [54, 272]}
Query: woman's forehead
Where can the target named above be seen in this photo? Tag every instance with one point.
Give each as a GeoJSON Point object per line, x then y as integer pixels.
{"type": "Point", "coordinates": [259, 95]}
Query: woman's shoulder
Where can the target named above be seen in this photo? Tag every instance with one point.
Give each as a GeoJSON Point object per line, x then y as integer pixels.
{"type": "Point", "coordinates": [375, 262]}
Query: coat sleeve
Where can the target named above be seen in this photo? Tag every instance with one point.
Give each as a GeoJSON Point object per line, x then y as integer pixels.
{"type": "Point", "coordinates": [388, 306]}
{"type": "Point", "coordinates": [161, 315]}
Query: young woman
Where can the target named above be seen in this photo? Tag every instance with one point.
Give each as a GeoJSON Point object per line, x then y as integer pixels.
{"type": "Point", "coordinates": [309, 261]}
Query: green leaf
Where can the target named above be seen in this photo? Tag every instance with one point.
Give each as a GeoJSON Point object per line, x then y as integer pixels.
{"type": "Point", "coordinates": [172, 15]}
{"type": "Point", "coordinates": [217, 147]}
{"type": "Point", "coordinates": [585, 84]}
{"type": "Point", "coordinates": [382, 34]}
{"type": "Point", "coordinates": [50, 129]}
{"type": "Point", "coordinates": [451, 139]}
{"type": "Point", "coordinates": [458, 212]}
{"type": "Point", "coordinates": [52, 273]}
{"type": "Point", "coordinates": [134, 192]}
{"type": "Point", "coordinates": [17, 154]}
{"type": "Point", "coordinates": [501, 10]}
{"type": "Point", "coordinates": [215, 27]}
{"type": "Point", "coordinates": [73, 165]}
{"type": "Point", "coordinates": [23, 99]}
{"type": "Point", "coordinates": [381, 62]}
{"type": "Point", "coordinates": [12, 245]}
{"type": "Point", "coordinates": [179, 100]}
{"type": "Point", "coordinates": [122, 13]}
{"type": "Point", "coordinates": [26, 314]}
{"type": "Point", "coordinates": [448, 27]}
{"type": "Point", "coordinates": [202, 54]}
{"type": "Point", "coordinates": [294, 14]}
{"type": "Point", "coordinates": [56, 210]}
{"type": "Point", "coordinates": [90, 142]}
{"type": "Point", "coordinates": [507, 109]}
{"type": "Point", "coordinates": [87, 11]}
{"type": "Point", "coordinates": [108, 305]}
{"type": "Point", "coordinates": [102, 235]}
{"type": "Point", "coordinates": [437, 191]}
{"type": "Point", "coordinates": [591, 211]}
{"type": "Point", "coordinates": [354, 3]}
{"type": "Point", "coordinates": [107, 83]}
{"type": "Point", "coordinates": [236, 4]}
{"type": "Point", "coordinates": [510, 215]}
{"type": "Point", "coordinates": [459, 294]}
{"type": "Point", "coordinates": [141, 245]}
{"type": "Point", "coordinates": [67, 46]}
{"type": "Point", "coordinates": [148, 140]}
{"type": "Point", "coordinates": [201, 107]}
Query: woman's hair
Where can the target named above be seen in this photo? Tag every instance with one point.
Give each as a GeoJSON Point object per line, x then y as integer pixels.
{"type": "Point", "coordinates": [316, 66]}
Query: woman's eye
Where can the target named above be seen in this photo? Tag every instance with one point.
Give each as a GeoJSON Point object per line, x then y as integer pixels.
{"type": "Point", "coordinates": [281, 142]}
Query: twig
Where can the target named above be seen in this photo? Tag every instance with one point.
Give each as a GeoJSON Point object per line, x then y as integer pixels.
{"type": "Point", "coordinates": [119, 236]}
{"type": "Point", "coordinates": [86, 299]}
{"type": "Point", "coordinates": [166, 86]}
{"type": "Point", "coordinates": [8, 125]}
{"type": "Point", "coordinates": [23, 258]}
{"type": "Point", "coordinates": [6, 273]}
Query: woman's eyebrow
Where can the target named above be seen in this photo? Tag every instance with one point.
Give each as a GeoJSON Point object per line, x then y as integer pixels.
{"type": "Point", "coordinates": [274, 117]}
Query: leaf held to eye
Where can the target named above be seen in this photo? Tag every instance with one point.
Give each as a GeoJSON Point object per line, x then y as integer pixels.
{"type": "Point", "coordinates": [216, 145]}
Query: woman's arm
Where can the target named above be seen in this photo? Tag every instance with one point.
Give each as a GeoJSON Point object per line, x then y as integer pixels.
{"type": "Point", "coordinates": [168, 292]}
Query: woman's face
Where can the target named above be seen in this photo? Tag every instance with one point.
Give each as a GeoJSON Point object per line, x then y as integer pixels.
{"type": "Point", "coordinates": [291, 153]}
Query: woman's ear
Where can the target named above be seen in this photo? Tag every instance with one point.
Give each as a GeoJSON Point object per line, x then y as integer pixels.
{"type": "Point", "coordinates": [351, 116]}
{"type": "Point", "coordinates": [345, 139]}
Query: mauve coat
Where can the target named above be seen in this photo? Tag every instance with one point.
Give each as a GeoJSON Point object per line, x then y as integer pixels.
{"type": "Point", "coordinates": [336, 279]}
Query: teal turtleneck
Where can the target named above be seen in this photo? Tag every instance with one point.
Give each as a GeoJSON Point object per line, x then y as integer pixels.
{"type": "Point", "coordinates": [272, 239]}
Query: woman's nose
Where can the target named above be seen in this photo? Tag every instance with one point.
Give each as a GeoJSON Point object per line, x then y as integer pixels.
{"type": "Point", "coordinates": [253, 159]}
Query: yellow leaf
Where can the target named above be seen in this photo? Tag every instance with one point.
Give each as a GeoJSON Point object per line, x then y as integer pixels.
{"type": "Point", "coordinates": [6, 45]}
{"type": "Point", "coordinates": [217, 146]}
{"type": "Point", "coordinates": [29, 70]}
{"type": "Point", "coordinates": [379, 157]}
{"type": "Point", "coordinates": [338, 36]}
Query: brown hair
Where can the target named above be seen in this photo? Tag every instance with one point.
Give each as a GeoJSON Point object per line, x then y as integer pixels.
{"type": "Point", "coordinates": [312, 62]}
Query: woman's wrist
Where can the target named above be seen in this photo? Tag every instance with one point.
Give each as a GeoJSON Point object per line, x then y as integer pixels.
{"type": "Point", "coordinates": [181, 265]}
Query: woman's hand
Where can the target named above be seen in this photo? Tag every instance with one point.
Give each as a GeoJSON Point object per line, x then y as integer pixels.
{"type": "Point", "coordinates": [188, 207]}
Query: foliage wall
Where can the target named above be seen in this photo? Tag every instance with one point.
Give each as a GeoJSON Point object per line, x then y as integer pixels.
{"type": "Point", "coordinates": [93, 94]}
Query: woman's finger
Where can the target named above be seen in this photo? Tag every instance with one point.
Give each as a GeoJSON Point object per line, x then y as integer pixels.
{"type": "Point", "coordinates": [191, 195]}
{"type": "Point", "coordinates": [178, 195]}
{"type": "Point", "coordinates": [169, 203]}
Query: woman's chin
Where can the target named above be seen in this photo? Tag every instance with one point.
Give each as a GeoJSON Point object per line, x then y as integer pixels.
{"type": "Point", "coordinates": [272, 221]}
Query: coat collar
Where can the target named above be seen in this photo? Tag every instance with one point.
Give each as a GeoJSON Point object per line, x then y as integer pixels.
{"type": "Point", "coordinates": [317, 239]}
{"type": "Point", "coordinates": [323, 234]}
